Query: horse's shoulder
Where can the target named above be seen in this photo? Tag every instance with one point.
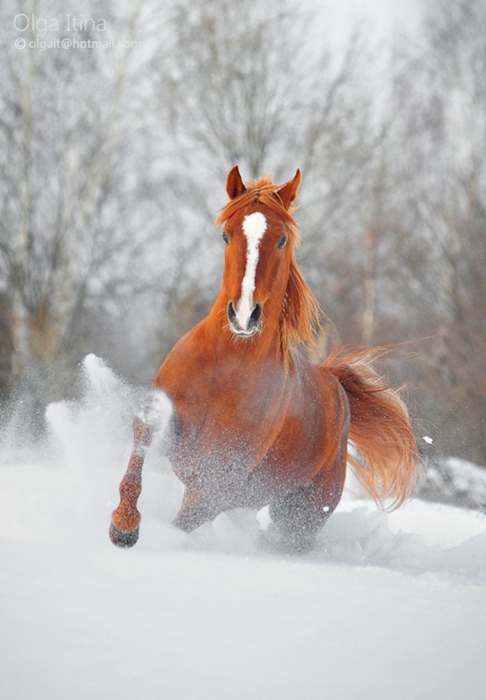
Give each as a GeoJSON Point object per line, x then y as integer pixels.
{"type": "Point", "coordinates": [186, 354]}
{"type": "Point", "coordinates": [189, 366]}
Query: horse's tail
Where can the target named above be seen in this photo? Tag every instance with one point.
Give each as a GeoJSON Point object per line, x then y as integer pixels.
{"type": "Point", "coordinates": [380, 426]}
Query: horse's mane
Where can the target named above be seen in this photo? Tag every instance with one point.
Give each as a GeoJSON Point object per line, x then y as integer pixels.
{"type": "Point", "coordinates": [299, 319]}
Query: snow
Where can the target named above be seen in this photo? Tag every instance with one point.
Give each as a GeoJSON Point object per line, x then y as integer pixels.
{"type": "Point", "coordinates": [457, 479]}
{"type": "Point", "coordinates": [388, 606]}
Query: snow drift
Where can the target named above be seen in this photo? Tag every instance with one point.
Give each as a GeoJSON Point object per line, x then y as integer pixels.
{"type": "Point", "coordinates": [388, 605]}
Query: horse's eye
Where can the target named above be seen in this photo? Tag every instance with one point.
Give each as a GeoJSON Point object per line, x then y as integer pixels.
{"type": "Point", "coordinates": [282, 241]}
{"type": "Point", "coordinates": [225, 238]}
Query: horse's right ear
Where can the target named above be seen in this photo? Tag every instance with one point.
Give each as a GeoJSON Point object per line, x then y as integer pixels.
{"type": "Point", "coordinates": [234, 183]}
{"type": "Point", "coordinates": [288, 192]}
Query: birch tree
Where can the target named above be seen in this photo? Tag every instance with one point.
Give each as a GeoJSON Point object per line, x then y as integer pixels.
{"type": "Point", "coordinates": [70, 238]}
{"type": "Point", "coordinates": [442, 131]}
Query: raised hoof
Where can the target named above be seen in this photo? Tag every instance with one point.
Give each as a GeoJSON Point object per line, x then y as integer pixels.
{"type": "Point", "coordinates": [124, 538]}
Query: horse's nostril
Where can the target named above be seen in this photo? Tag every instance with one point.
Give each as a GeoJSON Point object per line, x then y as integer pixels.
{"type": "Point", "coordinates": [231, 312]}
{"type": "Point", "coordinates": [256, 314]}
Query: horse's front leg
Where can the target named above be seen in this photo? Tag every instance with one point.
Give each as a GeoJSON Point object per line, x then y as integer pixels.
{"type": "Point", "coordinates": [125, 520]}
{"type": "Point", "coordinates": [196, 509]}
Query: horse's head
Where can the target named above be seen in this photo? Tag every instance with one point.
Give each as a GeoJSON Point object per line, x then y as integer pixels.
{"type": "Point", "coordinates": [260, 235]}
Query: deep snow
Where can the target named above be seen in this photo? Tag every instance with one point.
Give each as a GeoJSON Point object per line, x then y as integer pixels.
{"type": "Point", "coordinates": [387, 606]}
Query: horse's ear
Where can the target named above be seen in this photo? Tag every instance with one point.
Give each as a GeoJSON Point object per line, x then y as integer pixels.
{"type": "Point", "coordinates": [234, 183]}
{"type": "Point", "coordinates": [288, 192]}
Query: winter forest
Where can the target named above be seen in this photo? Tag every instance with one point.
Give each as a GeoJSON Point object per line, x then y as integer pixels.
{"type": "Point", "coordinates": [113, 162]}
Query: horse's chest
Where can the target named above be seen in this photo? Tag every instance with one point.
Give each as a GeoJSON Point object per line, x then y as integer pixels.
{"type": "Point", "coordinates": [234, 429]}
{"type": "Point", "coordinates": [229, 421]}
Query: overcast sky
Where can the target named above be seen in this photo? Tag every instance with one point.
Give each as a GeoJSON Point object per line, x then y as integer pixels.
{"type": "Point", "coordinates": [382, 18]}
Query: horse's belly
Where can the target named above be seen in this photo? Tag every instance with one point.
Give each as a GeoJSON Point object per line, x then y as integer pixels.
{"type": "Point", "coordinates": [235, 472]}
{"type": "Point", "coordinates": [292, 462]}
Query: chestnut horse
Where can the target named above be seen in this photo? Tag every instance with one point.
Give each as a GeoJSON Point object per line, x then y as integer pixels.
{"type": "Point", "coordinates": [254, 422]}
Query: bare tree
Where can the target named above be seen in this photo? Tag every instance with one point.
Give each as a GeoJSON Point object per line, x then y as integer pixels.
{"type": "Point", "coordinates": [70, 237]}
{"type": "Point", "coordinates": [442, 135]}
{"type": "Point", "coordinates": [245, 85]}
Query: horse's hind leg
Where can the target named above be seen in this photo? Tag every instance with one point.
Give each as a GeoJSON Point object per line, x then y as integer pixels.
{"type": "Point", "coordinates": [300, 514]}
{"type": "Point", "coordinates": [125, 520]}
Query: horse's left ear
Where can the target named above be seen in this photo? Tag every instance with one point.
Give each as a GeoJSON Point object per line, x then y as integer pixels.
{"type": "Point", "coordinates": [234, 184]}
{"type": "Point", "coordinates": [288, 192]}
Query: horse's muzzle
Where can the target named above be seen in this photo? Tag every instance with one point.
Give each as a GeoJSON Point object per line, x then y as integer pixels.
{"type": "Point", "coordinates": [253, 324]}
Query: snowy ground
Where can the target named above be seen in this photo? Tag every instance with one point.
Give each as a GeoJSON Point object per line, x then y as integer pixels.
{"type": "Point", "coordinates": [388, 606]}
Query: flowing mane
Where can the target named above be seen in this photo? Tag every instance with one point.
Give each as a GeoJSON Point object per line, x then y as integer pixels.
{"type": "Point", "coordinates": [300, 317]}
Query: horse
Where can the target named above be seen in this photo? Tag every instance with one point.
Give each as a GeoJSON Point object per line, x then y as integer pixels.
{"type": "Point", "coordinates": [254, 422]}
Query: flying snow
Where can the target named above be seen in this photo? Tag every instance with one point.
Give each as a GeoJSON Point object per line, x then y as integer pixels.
{"type": "Point", "coordinates": [388, 605]}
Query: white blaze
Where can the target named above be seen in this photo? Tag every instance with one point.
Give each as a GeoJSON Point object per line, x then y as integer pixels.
{"type": "Point", "coordinates": [254, 226]}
